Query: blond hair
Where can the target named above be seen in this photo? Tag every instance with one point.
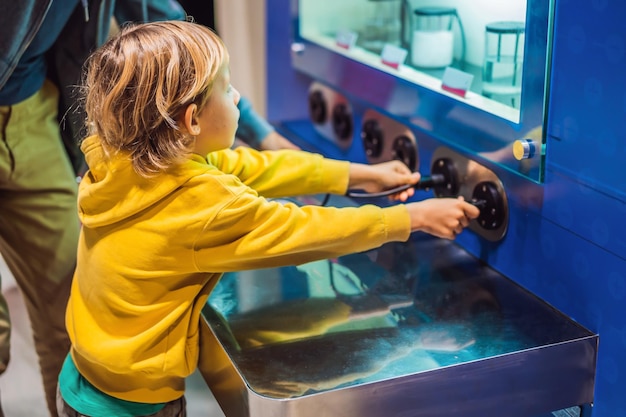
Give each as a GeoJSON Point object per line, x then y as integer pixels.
{"type": "Point", "coordinates": [140, 81]}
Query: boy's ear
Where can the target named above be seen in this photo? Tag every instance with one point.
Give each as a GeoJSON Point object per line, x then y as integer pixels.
{"type": "Point", "coordinates": [189, 121]}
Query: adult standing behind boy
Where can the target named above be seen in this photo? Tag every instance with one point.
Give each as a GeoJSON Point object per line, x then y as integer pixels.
{"type": "Point", "coordinates": [43, 44]}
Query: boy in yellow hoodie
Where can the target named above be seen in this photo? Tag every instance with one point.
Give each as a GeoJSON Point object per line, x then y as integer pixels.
{"type": "Point", "coordinates": [167, 207]}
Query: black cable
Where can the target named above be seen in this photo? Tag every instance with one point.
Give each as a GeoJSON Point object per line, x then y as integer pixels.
{"type": "Point", "coordinates": [425, 183]}
{"type": "Point", "coordinates": [356, 194]}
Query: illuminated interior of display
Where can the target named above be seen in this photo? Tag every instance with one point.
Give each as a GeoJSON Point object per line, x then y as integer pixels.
{"type": "Point", "coordinates": [482, 40]}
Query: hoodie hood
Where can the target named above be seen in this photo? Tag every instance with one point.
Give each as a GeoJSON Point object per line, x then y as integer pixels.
{"type": "Point", "coordinates": [111, 191]}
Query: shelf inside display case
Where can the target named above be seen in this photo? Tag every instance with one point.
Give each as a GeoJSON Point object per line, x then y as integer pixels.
{"type": "Point", "coordinates": [420, 328]}
{"type": "Point", "coordinates": [431, 78]}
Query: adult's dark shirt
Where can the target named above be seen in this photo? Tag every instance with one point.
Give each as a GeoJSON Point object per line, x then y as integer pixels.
{"type": "Point", "coordinates": [30, 72]}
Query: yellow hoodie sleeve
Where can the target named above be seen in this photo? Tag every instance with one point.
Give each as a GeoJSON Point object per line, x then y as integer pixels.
{"type": "Point", "coordinates": [248, 231]}
{"type": "Point", "coordinates": [283, 173]}
{"type": "Point", "coordinates": [252, 232]}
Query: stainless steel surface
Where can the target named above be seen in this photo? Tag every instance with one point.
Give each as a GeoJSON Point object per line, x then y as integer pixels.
{"type": "Point", "coordinates": [414, 329]}
{"type": "Point", "coordinates": [332, 100]}
{"type": "Point", "coordinates": [471, 173]}
{"type": "Point", "coordinates": [391, 130]}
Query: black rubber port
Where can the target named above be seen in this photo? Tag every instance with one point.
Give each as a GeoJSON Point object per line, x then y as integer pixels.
{"type": "Point", "coordinates": [449, 187]}
{"type": "Point", "coordinates": [404, 150]}
{"type": "Point", "coordinates": [372, 137]}
{"type": "Point", "coordinates": [317, 107]}
{"type": "Point", "coordinates": [342, 121]}
{"type": "Point", "coordinates": [487, 197]}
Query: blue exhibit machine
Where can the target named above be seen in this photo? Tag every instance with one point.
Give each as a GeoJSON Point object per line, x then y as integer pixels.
{"type": "Point", "coordinates": [518, 107]}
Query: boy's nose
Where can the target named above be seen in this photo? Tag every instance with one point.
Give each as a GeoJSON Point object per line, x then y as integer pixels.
{"type": "Point", "coordinates": [236, 96]}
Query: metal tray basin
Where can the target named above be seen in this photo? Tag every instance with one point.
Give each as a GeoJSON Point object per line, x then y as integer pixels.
{"type": "Point", "coordinates": [413, 329]}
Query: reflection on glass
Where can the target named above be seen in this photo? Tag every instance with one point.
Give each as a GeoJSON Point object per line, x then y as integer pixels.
{"type": "Point", "coordinates": [484, 38]}
{"type": "Point", "coordinates": [382, 26]}
{"type": "Point", "coordinates": [399, 310]}
{"type": "Point", "coordinates": [504, 55]}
